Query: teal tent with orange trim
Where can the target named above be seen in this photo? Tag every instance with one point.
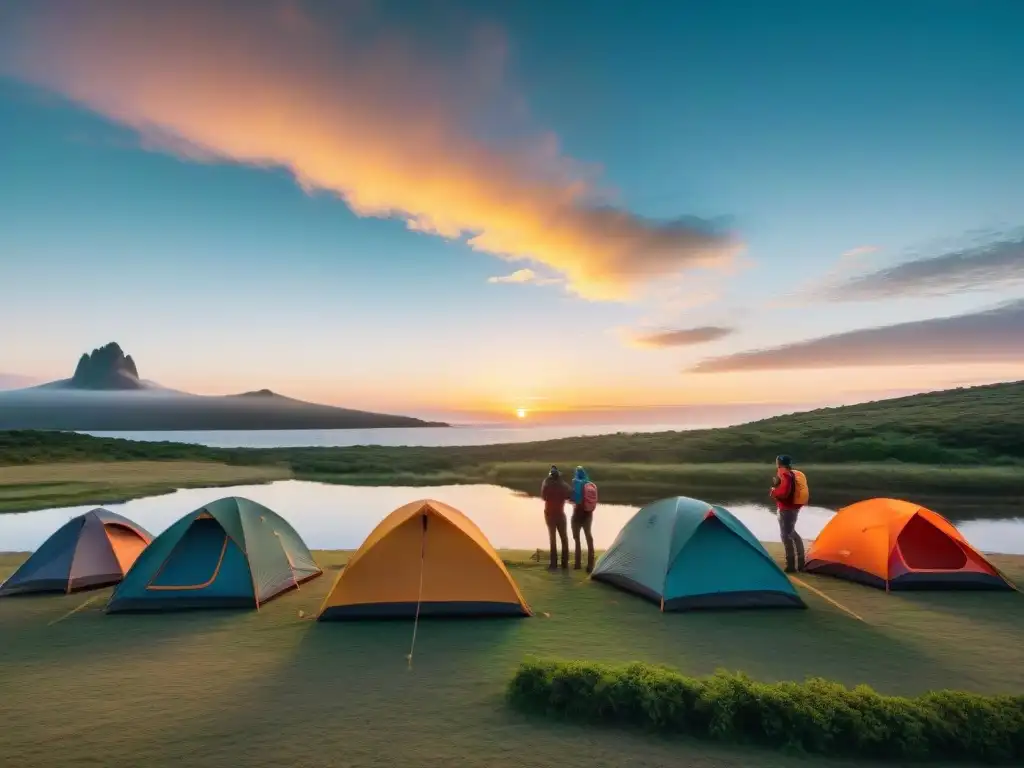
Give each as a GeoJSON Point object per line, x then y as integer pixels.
{"type": "Point", "coordinates": [232, 553]}
{"type": "Point", "coordinates": [682, 554]}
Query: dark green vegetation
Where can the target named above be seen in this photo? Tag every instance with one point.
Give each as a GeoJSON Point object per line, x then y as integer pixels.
{"type": "Point", "coordinates": [209, 689]}
{"type": "Point", "coordinates": [817, 716]}
{"type": "Point", "coordinates": [960, 447]}
{"type": "Point", "coordinates": [25, 447]}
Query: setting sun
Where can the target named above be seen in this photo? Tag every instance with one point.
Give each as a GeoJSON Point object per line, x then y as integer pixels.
{"type": "Point", "coordinates": [520, 413]}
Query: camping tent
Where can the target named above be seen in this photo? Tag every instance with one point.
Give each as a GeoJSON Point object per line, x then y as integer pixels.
{"type": "Point", "coordinates": [894, 544]}
{"type": "Point", "coordinates": [91, 550]}
{"type": "Point", "coordinates": [683, 554]}
{"type": "Point", "coordinates": [233, 553]}
{"type": "Point", "coordinates": [424, 554]}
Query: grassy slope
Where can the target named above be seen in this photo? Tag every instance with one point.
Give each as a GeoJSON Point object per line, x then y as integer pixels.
{"type": "Point", "coordinates": [209, 689]}
{"type": "Point", "coordinates": [893, 447]}
{"type": "Point", "coordinates": [45, 485]}
{"type": "Point", "coordinates": [976, 426]}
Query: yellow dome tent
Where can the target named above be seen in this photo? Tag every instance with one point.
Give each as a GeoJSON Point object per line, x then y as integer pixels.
{"type": "Point", "coordinates": [424, 554]}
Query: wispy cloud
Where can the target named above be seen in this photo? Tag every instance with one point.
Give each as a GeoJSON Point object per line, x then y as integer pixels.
{"type": "Point", "coordinates": [674, 297]}
{"type": "Point", "coordinates": [524, 276]}
{"type": "Point", "coordinates": [351, 106]}
{"type": "Point", "coordinates": [991, 265]}
{"type": "Point", "coordinates": [994, 335]}
{"type": "Point", "coordinates": [861, 250]}
{"type": "Point", "coordinates": [813, 290]}
{"type": "Point", "coordinates": [682, 337]}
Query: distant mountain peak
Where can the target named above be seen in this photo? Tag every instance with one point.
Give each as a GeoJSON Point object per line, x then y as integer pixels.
{"type": "Point", "coordinates": [259, 393]}
{"type": "Point", "coordinates": [107, 367]}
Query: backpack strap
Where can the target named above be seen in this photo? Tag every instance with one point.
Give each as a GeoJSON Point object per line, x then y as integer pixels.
{"type": "Point", "coordinates": [792, 486]}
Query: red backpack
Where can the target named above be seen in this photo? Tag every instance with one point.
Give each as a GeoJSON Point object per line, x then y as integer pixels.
{"type": "Point", "coordinates": [589, 497]}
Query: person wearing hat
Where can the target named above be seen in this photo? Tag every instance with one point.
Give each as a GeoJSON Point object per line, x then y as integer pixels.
{"type": "Point", "coordinates": [784, 489]}
{"type": "Point", "coordinates": [555, 492]}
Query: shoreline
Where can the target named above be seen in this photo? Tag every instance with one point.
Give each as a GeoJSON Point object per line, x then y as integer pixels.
{"type": "Point", "coordinates": [960, 493]}
{"type": "Point", "coordinates": [32, 487]}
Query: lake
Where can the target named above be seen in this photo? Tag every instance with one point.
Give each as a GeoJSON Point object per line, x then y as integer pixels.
{"type": "Point", "coordinates": [340, 516]}
{"type": "Point", "coordinates": [395, 437]}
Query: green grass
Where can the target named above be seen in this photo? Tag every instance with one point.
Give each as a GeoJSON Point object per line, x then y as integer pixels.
{"type": "Point", "coordinates": [33, 486]}
{"type": "Point", "coordinates": [265, 689]}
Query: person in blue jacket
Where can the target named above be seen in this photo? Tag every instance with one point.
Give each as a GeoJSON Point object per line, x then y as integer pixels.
{"type": "Point", "coordinates": [582, 519]}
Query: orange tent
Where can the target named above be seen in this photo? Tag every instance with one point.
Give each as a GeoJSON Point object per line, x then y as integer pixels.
{"type": "Point", "coordinates": [424, 554]}
{"type": "Point", "coordinates": [894, 544]}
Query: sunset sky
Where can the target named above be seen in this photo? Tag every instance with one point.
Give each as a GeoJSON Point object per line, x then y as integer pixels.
{"type": "Point", "coordinates": [430, 207]}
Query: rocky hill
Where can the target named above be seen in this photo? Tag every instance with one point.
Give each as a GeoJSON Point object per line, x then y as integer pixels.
{"type": "Point", "coordinates": [106, 368]}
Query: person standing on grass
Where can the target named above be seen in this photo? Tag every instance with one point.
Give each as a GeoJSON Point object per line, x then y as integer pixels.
{"type": "Point", "coordinates": [555, 492]}
{"type": "Point", "coordinates": [789, 489]}
{"type": "Point", "coordinates": [584, 502]}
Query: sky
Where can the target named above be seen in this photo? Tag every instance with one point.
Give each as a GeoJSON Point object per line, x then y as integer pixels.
{"type": "Point", "coordinates": [438, 207]}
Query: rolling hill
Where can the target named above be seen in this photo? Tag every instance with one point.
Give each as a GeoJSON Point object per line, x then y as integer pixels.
{"type": "Point", "coordinates": [106, 394]}
{"type": "Point", "coordinates": [964, 426]}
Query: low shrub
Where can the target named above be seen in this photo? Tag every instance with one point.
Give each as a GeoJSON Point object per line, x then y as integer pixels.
{"type": "Point", "coordinates": [816, 716]}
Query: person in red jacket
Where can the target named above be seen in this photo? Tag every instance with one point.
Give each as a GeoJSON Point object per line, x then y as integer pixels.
{"type": "Point", "coordinates": [555, 492]}
{"type": "Point", "coordinates": [783, 487]}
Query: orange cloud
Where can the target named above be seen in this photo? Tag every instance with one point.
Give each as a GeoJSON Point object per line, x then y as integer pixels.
{"type": "Point", "coordinates": [350, 107]}
{"type": "Point", "coordinates": [680, 337]}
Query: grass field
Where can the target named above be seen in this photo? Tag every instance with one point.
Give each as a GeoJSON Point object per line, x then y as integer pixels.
{"type": "Point", "coordinates": [269, 689]}
{"type": "Point", "coordinates": [34, 486]}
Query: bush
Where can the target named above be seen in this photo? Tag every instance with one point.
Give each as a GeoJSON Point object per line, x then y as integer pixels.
{"type": "Point", "coordinates": [816, 716]}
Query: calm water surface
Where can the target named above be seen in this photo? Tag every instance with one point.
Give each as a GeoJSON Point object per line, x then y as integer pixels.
{"type": "Point", "coordinates": [340, 516]}
{"type": "Point", "coordinates": [424, 437]}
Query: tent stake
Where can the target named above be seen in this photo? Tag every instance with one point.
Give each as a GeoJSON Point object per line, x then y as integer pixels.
{"type": "Point", "coordinates": [818, 592]}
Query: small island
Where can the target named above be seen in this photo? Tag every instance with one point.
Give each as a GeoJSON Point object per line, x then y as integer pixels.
{"type": "Point", "coordinates": [107, 394]}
